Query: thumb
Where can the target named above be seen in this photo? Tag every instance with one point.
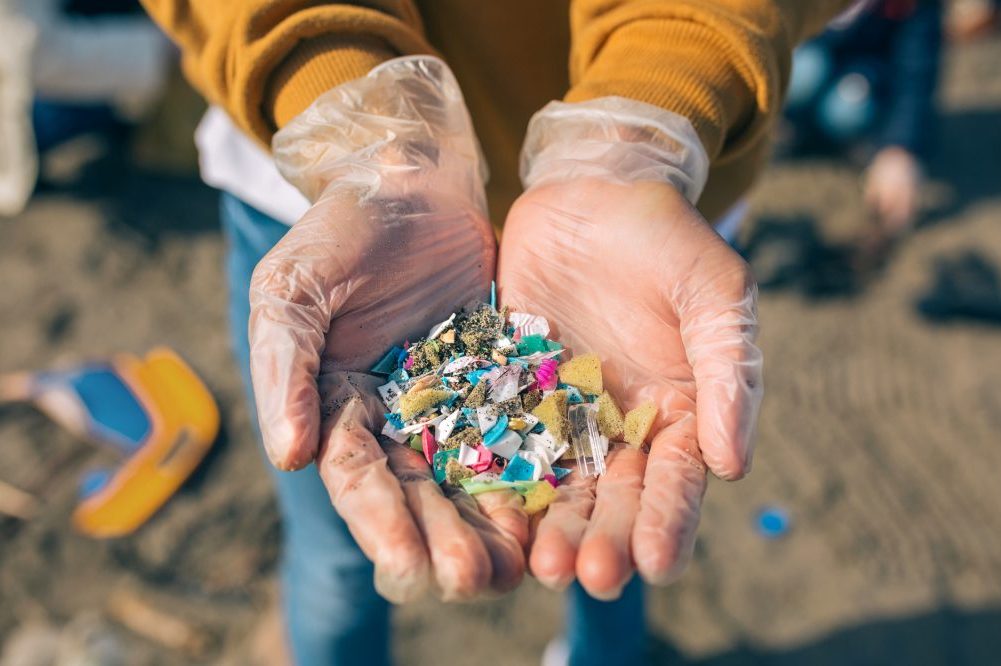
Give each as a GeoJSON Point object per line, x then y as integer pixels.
{"type": "Point", "coordinates": [719, 325]}
{"type": "Point", "coordinates": [290, 312]}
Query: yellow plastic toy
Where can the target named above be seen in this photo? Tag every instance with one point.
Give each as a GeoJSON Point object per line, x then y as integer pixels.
{"type": "Point", "coordinates": [154, 410]}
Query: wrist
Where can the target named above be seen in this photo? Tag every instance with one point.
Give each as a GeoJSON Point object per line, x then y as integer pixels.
{"type": "Point", "coordinates": [404, 122]}
{"type": "Point", "coordinates": [614, 138]}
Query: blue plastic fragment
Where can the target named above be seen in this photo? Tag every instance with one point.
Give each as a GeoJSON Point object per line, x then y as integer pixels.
{"type": "Point", "coordinates": [395, 420]}
{"type": "Point", "coordinates": [474, 376]}
{"type": "Point", "coordinates": [518, 469]}
{"type": "Point", "coordinates": [560, 472]}
{"type": "Point", "coordinates": [574, 396]}
{"type": "Point", "coordinates": [401, 356]}
{"type": "Point", "coordinates": [493, 294]}
{"type": "Point", "coordinates": [772, 522]}
{"type": "Point", "coordinates": [387, 364]}
{"type": "Point", "coordinates": [400, 376]}
{"type": "Point", "coordinates": [497, 431]}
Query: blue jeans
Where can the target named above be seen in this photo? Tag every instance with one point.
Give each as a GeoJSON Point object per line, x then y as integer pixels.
{"type": "Point", "coordinates": [332, 613]}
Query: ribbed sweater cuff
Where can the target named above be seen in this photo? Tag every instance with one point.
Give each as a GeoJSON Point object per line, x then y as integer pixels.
{"type": "Point", "coordinates": [314, 67]}
{"type": "Point", "coordinates": [682, 66]}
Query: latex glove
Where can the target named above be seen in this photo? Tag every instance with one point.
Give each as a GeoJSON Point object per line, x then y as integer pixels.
{"type": "Point", "coordinates": [605, 245]}
{"type": "Point", "coordinates": [892, 183]}
{"type": "Point", "coordinates": [396, 240]}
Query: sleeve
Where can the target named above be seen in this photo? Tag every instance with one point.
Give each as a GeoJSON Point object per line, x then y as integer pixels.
{"type": "Point", "coordinates": [265, 61]}
{"type": "Point", "coordinates": [915, 55]}
{"type": "Point", "coordinates": [723, 64]}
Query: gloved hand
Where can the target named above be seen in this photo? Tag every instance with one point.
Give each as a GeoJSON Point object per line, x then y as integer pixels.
{"type": "Point", "coordinates": [396, 240]}
{"type": "Point", "coordinates": [605, 245]}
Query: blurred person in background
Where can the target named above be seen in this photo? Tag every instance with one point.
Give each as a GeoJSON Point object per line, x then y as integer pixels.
{"type": "Point", "coordinates": [70, 68]}
{"type": "Point", "coordinates": [867, 85]}
{"type": "Point", "coordinates": [969, 20]}
{"type": "Point", "coordinates": [355, 209]}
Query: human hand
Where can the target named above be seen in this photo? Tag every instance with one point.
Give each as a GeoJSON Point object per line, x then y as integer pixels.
{"type": "Point", "coordinates": [891, 189]}
{"type": "Point", "coordinates": [630, 270]}
{"type": "Point", "coordinates": [396, 240]}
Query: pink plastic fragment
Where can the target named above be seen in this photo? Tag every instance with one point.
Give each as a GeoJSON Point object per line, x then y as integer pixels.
{"type": "Point", "coordinates": [551, 478]}
{"type": "Point", "coordinates": [485, 460]}
{"type": "Point", "coordinates": [409, 363]}
{"type": "Point", "coordinates": [430, 445]}
{"type": "Point", "coordinates": [546, 375]}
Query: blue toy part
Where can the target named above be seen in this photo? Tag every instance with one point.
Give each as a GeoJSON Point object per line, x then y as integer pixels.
{"type": "Point", "coordinates": [93, 481]}
{"type": "Point", "coordinates": [116, 415]}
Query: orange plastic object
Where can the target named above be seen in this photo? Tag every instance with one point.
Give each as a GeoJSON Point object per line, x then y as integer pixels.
{"type": "Point", "coordinates": [185, 422]}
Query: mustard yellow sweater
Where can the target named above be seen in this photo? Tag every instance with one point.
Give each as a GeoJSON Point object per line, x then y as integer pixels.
{"type": "Point", "coordinates": [724, 64]}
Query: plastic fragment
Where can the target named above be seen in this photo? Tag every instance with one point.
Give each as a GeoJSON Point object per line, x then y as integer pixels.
{"type": "Point", "coordinates": [528, 324]}
{"type": "Point", "coordinates": [518, 469]}
{"type": "Point", "coordinates": [584, 373]}
{"type": "Point", "coordinates": [772, 522]}
{"type": "Point", "coordinates": [428, 444]}
{"type": "Point", "coordinates": [497, 431]}
{"type": "Point", "coordinates": [387, 364]}
{"type": "Point", "coordinates": [531, 344]}
{"type": "Point", "coordinates": [546, 374]}
{"type": "Point", "coordinates": [552, 412]}
{"type": "Point", "coordinates": [540, 496]}
{"type": "Point", "coordinates": [589, 451]}
{"type": "Point", "coordinates": [611, 422]}
{"type": "Point", "coordinates": [507, 445]}
{"type": "Point", "coordinates": [390, 394]}
{"type": "Point", "coordinates": [439, 462]}
{"type": "Point", "coordinates": [638, 423]}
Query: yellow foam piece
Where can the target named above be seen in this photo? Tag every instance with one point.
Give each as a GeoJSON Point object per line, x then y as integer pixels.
{"type": "Point", "coordinates": [611, 423]}
{"type": "Point", "coordinates": [417, 402]}
{"type": "Point", "coordinates": [583, 372]}
{"type": "Point", "coordinates": [552, 412]}
{"type": "Point", "coordinates": [184, 426]}
{"type": "Point", "coordinates": [539, 497]}
{"type": "Point", "coordinates": [638, 423]}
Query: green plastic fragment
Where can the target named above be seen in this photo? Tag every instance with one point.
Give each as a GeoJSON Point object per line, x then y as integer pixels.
{"type": "Point", "coordinates": [440, 460]}
{"type": "Point", "coordinates": [476, 486]}
{"type": "Point", "coordinates": [416, 443]}
{"type": "Point", "coordinates": [531, 344]}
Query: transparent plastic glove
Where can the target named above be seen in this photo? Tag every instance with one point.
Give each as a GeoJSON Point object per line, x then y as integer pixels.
{"type": "Point", "coordinates": [609, 249]}
{"type": "Point", "coordinates": [396, 240]}
{"type": "Point", "coordinates": [892, 183]}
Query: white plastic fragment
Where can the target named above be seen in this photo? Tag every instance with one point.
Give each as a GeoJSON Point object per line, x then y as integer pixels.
{"type": "Point", "coordinates": [504, 385]}
{"type": "Point", "coordinates": [390, 394]}
{"type": "Point", "coordinates": [468, 456]}
{"type": "Point", "coordinates": [507, 445]}
{"type": "Point", "coordinates": [446, 426]}
{"type": "Point", "coordinates": [528, 324]}
{"type": "Point", "coordinates": [487, 417]}
{"type": "Point", "coordinates": [439, 328]}
{"type": "Point", "coordinates": [391, 432]}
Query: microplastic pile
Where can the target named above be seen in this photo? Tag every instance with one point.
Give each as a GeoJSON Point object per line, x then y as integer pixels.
{"type": "Point", "coordinates": [486, 399]}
